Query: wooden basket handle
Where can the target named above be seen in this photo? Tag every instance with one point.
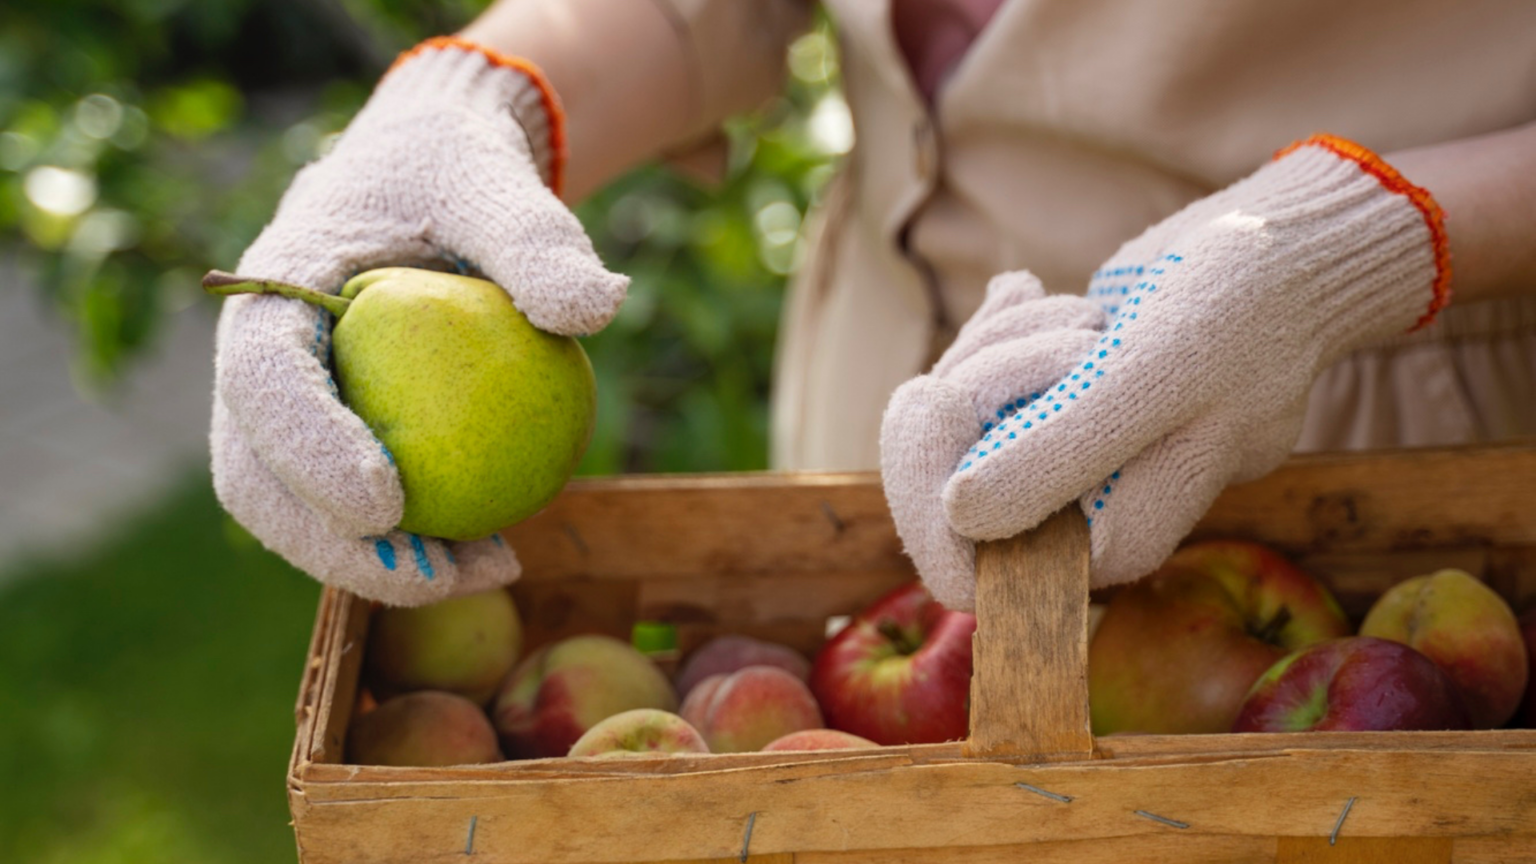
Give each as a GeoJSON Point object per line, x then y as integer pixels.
{"type": "Point", "coordinates": [1029, 688]}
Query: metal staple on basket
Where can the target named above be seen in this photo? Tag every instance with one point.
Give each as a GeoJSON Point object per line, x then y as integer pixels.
{"type": "Point", "coordinates": [746, 841]}
{"type": "Point", "coordinates": [1334, 837]}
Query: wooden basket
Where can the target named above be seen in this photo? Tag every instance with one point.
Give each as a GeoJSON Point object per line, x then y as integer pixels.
{"type": "Point", "coordinates": [774, 556]}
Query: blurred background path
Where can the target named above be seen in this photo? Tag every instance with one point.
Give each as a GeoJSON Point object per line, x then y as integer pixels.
{"type": "Point", "coordinates": [72, 467]}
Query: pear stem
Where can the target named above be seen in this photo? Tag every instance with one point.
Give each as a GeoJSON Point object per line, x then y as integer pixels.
{"type": "Point", "coordinates": [224, 284]}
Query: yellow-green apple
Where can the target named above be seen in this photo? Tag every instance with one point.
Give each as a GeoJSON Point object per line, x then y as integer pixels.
{"type": "Point", "coordinates": [818, 739]}
{"type": "Point", "coordinates": [639, 732]}
{"type": "Point", "coordinates": [742, 711]}
{"type": "Point", "coordinates": [464, 645]}
{"type": "Point", "coordinates": [561, 690]}
{"type": "Point", "coordinates": [723, 655]}
{"type": "Point", "coordinates": [1528, 632]}
{"type": "Point", "coordinates": [1461, 624]}
{"type": "Point", "coordinates": [1355, 683]}
{"type": "Point", "coordinates": [1177, 651]}
{"type": "Point", "coordinates": [427, 728]}
{"type": "Point", "coordinates": [900, 672]}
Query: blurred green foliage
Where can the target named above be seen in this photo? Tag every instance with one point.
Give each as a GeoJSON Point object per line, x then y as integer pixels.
{"type": "Point", "coordinates": [144, 142]}
{"type": "Point", "coordinates": [146, 694]}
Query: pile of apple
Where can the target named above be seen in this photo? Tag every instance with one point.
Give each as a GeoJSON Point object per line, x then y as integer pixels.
{"type": "Point", "coordinates": [1229, 636]}
{"type": "Point", "coordinates": [451, 688]}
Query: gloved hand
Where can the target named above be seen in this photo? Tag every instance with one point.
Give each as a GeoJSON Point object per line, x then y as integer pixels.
{"type": "Point", "coordinates": [1220, 318]}
{"type": "Point", "coordinates": [1019, 344]}
{"type": "Point", "coordinates": [451, 160]}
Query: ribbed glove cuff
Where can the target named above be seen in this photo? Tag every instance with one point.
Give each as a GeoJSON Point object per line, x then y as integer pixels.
{"type": "Point", "coordinates": [1397, 184]}
{"type": "Point", "coordinates": [449, 68]}
{"type": "Point", "coordinates": [1351, 253]}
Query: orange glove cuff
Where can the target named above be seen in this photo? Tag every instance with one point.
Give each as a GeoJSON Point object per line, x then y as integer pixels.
{"type": "Point", "coordinates": [551, 153]}
{"type": "Point", "coordinates": [1394, 182]}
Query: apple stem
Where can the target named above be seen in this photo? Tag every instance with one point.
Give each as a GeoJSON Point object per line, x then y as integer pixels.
{"type": "Point", "coordinates": [223, 284]}
{"type": "Point", "coordinates": [1270, 631]}
{"type": "Point", "coordinates": [904, 643]}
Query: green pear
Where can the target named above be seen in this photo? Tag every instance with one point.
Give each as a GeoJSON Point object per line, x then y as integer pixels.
{"type": "Point", "coordinates": [484, 414]}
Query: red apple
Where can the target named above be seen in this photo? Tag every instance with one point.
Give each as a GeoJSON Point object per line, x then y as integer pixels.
{"type": "Point", "coordinates": [900, 672]}
{"type": "Point", "coordinates": [1177, 651]}
{"type": "Point", "coordinates": [1455, 620]}
{"type": "Point", "coordinates": [1528, 634]}
{"type": "Point", "coordinates": [1357, 683]}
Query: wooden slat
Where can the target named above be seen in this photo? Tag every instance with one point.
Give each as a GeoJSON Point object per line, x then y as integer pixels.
{"type": "Point", "coordinates": [1357, 578]}
{"type": "Point", "coordinates": [551, 611]}
{"type": "Point", "coordinates": [1407, 499]}
{"type": "Point", "coordinates": [746, 599]}
{"type": "Point", "coordinates": [1512, 572]}
{"type": "Point", "coordinates": [639, 527]}
{"type": "Point", "coordinates": [1129, 751]}
{"type": "Point", "coordinates": [1141, 849]}
{"type": "Point", "coordinates": [781, 858]}
{"type": "Point", "coordinates": [1029, 687]}
{"type": "Point", "coordinates": [642, 527]}
{"type": "Point", "coordinates": [344, 660]}
{"type": "Point", "coordinates": [1364, 850]}
{"type": "Point", "coordinates": [802, 808]}
{"type": "Point", "coordinates": [1278, 743]}
{"type": "Point", "coordinates": [314, 664]}
{"type": "Point", "coordinates": [1493, 850]}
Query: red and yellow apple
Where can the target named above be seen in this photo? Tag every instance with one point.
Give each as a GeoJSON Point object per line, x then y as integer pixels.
{"type": "Point", "coordinates": [1178, 651]}
{"type": "Point", "coordinates": [1455, 620]}
{"type": "Point", "coordinates": [560, 691]}
{"type": "Point", "coordinates": [640, 732]}
{"type": "Point", "coordinates": [900, 672]}
{"type": "Point", "coordinates": [742, 711]}
{"type": "Point", "coordinates": [1356, 683]}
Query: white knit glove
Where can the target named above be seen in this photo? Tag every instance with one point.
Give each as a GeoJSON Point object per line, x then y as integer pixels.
{"type": "Point", "coordinates": [1219, 319]}
{"type": "Point", "coordinates": [451, 160]}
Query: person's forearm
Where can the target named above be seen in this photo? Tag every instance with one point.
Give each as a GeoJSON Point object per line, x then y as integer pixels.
{"type": "Point", "coordinates": [1487, 188]}
{"type": "Point", "coordinates": [620, 70]}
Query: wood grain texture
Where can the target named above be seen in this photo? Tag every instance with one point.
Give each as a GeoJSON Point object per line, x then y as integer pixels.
{"type": "Point", "coordinates": [681, 525]}
{"type": "Point", "coordinates": [1406, 499]}
{"type": "Point", "coordinates": [1202, 849]}
{"type": "Point", "coordinates": [806, 808]}
{"type": "Point", "coordinates": [1029, 687]}
{"type": "Point", "coordinates": [1493, 850]}
{"type": "Point", "coordinates": [343, 659]}
{"type": "Point", "coordinates": [1364, 850]}
{"type": "Point", "coordinates": [1357, 578]}
{"type": "Point", "coordinates": [336, 782]}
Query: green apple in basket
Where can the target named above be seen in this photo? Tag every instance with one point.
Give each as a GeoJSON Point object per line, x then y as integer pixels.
{"type": "Point", "coordinates": [484, 414]}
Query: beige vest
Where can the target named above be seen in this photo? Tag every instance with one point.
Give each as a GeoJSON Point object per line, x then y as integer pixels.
{"type": "Point", "coordinates": [1072, 125]}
